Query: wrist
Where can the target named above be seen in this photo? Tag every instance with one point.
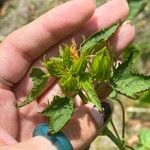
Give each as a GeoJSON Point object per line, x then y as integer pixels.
{"type": "Point", "coordinates": [36, 143]}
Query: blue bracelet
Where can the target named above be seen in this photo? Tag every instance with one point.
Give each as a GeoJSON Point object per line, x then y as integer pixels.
{"type": "Point", "coordinates": [58, 139]}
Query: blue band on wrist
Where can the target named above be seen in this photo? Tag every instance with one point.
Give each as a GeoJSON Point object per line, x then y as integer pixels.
{"type": "Point", "coordinates": [59, 139]}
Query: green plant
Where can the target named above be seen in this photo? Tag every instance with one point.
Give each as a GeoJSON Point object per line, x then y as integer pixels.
{"type": "Point", "coordinates": [136, 6]}
{"type": "Point", "coordinates": [79, 71]}
{"type": "Point", "coordinates": [144, 137]}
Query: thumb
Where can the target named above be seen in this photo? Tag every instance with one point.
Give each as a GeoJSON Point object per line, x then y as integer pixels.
{"type": "Point", "coordinates": [87, 123]}
{"type": "Point", "coordinates": [37, 143]}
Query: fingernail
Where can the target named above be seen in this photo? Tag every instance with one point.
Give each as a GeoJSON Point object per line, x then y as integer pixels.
{"type": "Point", "coordinates": [107, 111]}
{"type": "Point", "coordinates": [127, 22]}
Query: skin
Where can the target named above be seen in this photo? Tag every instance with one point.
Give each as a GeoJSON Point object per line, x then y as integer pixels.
{"type": "Point", "coordinates": [26, 46]}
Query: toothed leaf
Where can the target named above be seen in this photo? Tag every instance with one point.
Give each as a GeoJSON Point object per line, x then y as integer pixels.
{"type": "Point", "coordinates": [145, 98]}
{"type": "Point", "coordinates": [79, 66]}
{"type": "Point", "coordinates": [54, 66]}
{"type": "Point", "coordinates": [39, 79]}
{"type": "Point", "coordinates": [66, 56]}
{"type": "Point", "coordinates": [101, 65]}
{"type": "Point", "coordinates": [136, 7]}
{"type": "Point", "coordinates": [144, 137]}
{"type": "Point", "coordinates": [69, 84]}
{"type": "Point", "coordinates": [59, 112]}
{"type": "Point", "coordinates": [127, 82]}
{"type": "Point", "coordinates": [87, 86]}
{"type": "Point", "coordinates": [97, 41]}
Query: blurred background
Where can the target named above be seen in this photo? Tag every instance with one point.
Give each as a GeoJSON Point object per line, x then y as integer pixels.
{"type": "Point", "coordinates": [16, 13]}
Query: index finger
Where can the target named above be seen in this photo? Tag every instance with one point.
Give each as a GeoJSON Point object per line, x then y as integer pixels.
{"type": "Point", "coordinates": [21, 47]}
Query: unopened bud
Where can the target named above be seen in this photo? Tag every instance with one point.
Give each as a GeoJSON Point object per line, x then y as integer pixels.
{"type": "Point", "coordinates": [101, 65]}
{"type": "Point", "coordinates": [69, 84]}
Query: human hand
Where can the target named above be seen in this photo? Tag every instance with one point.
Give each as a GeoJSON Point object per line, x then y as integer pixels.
{"type": "Point", "coordinates": [25, 48]}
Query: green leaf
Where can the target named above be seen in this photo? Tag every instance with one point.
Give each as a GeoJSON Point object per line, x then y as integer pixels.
{"type": "Point", "coordinates": [136, 7]}
{"type": "Point", "coordinates": [101, 65]}
{"type": "Point", "coordinates": [129, 50]}
{"type": "Point", "coordinates": [145, 97]}
{"type": "Point", "coordinates": [144, 137]}
{"type": "Point", "coordinates": [97, 41]}
{"type": "Point", "coordinates": [59, 112]}
{"type": "Point", "coordinates": [141, 148]}
{"type": "Point", "coordinates": [132, 53]}
{"type": "Point", "coordinates": [127, 82]}
{"type": "Point", "coordinates": [39, 82]}
{"type": "Point", "coordinates": [113, 95]}
{"type": "Point", "coordinates": [54, 66]}
{"type": "Point", "coordinates": [69, 84]}
{"type": "Point", "coordinates": [87, 86]}
{"type": "Point", "coordinates": [79, 66]}
{"type": "Point", "coordinates": [66, 56]}
{"type": "Point", "coordinates": [131, 85]}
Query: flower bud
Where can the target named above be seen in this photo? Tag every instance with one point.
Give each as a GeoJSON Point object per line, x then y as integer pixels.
{"type": "Point", "coordinates": [79, 66]}
{"type": "Point", "coordinates": [69, 84]}
{"type": "Point", "coordinates": [101, 65]}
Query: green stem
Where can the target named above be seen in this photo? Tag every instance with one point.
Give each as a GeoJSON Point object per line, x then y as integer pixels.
{"type": "Point", "coordinates": [114, 128]}
{"type": "Point", "coordinates": [118, 142]}
{"type": "Point", "coordinates": [123, 118]}
{"type": "Point", "coordinates": [83, 97]}
{"type": "Point", "coordinates": [91, 94]}
{"type": "Point", "coordinates": [129, 147]}
{"type": "Point", "coordinates": [87, 148]}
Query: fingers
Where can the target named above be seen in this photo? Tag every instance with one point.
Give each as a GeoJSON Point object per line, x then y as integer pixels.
{"type": "Point", "coordinates": [100, 20]}
{"type": "Point", "coordinates": [29, 117]}
{"type": "Point", "coordinates": [126, 30]}
{"type": "Point", "coordinates": [96, 23]}
{"type": "Point", "coordinates": [93, 25]}
{"type": "Point", "coordinates": [25, 46]}
{"type": "Point", "coordinates": [106, 15]}
{"type": "Point", "coordinates": [23, 88]}
{"type": "Point", "coordinates": [38, 143]}
{"type": "Point", "coordinates": [8, 115]}
{"type": "Point", "coordinates": [32, 40]}
{"type": "Point", "coordinates": [123, 37]}
{"type": "Point", "coordinates": [85, 125]}
{"type": "Point", "coordinates": [5, 138]}
{"type": "Point", "coordinates": [55, 89]}
{"type": "Point", "coordinates": [82, 129]}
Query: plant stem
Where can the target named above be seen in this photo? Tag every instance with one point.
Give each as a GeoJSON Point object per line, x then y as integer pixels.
{"type": "Point", "coordinates": [83, 97]}
{"type": "Point", "coordinates": [130, 147]}
{"type": "Point", "coordinates": [114, 128]}
{"type": "Point", "coordinates": [91, 94]}
{"type": "Point", "coordinates": [117, 141]}
{"type": "Point", "coordinates": [123, 118]}
{"type": "Point", "coordinates": [87, 148]}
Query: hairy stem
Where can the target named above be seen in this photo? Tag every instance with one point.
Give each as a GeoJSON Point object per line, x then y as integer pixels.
{"type": "Point", "coordinates": [91, 94]}
{"type": "Point", "coordinates": [129, 147]}
{"type": "Point", "coordinates": [117, 141]}
{"type": "Point", "coordinates": [83, 97]}
{"type": "Point", "coordinates": [114, 128]}
{"type": "Point", "coordinates": [123, 118]}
